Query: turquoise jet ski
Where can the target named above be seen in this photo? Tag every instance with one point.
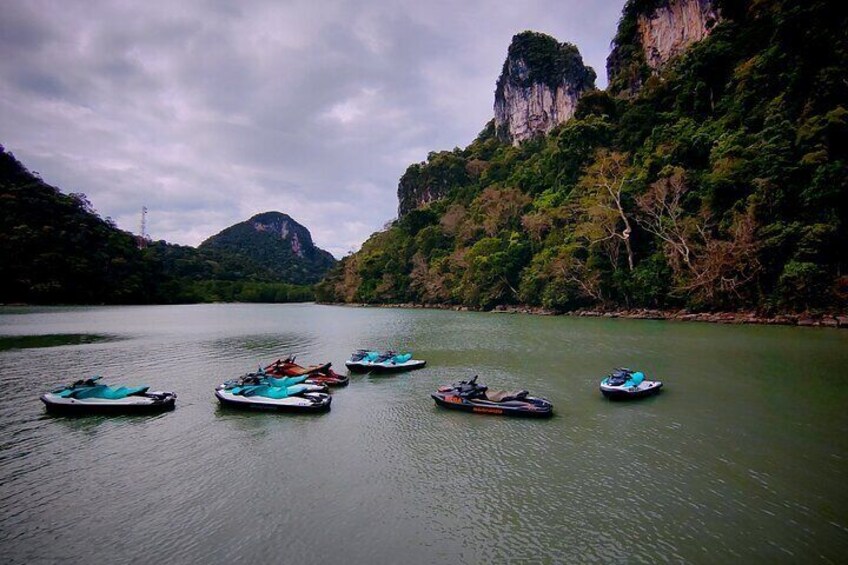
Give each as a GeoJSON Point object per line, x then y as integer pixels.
{"type": "Point", "coordinates": [88, 396]}
{"type": "Point", "coordinates": [365, 361]}
{"type": "Point", "coordinates": [260, 377]}
{"type": "Point", "coordinates": [623, 384]}
{"type": "Point", "coordinates": [259, 391]}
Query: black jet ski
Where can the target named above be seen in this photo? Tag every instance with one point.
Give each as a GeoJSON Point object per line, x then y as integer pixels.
{"type": "Point", "coordinates": [469, 396]}
{"type": "Point", "coordinates": [259, 392]}
{"type": "Point", "coordinates": [623, 384]}
{"type": "Point", "coordinates": [88, 396]}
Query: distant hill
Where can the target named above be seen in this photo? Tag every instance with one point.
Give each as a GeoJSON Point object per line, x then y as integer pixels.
{"type": "Point", "coordinates": [276, 242]}
{"type": "Point", "coordinates": [55, 249]}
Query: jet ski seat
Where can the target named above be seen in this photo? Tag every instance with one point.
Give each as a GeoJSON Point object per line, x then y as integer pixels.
{"type": "Point", "coordinates": [505, 395]}
{"type": "Point", "coordinates": [103, 391]}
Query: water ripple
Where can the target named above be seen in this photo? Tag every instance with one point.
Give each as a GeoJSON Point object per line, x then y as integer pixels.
{"type": "Point", "coordinates": [715, 469]}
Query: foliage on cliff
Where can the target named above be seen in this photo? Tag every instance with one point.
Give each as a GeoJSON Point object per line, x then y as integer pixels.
{"type": "Point", "coordinates": [54, 249]}
{"type": "Point", "coordinates": [546, 61]}
{"type": "Point", "coordinates": [425, 182]}
{"type": "Point", "coordinates": [722, 185]}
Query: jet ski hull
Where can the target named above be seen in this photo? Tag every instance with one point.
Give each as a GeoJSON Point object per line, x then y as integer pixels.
{"type": "Point", "coordinates": [645, 388]}
{"type": "Point", "coordinates": [358, 367]}
{"type": "Point", "coordinates": [310, 402]}
{"type": "Point", "coordinates": [365, 367]}
{"type": "Point", "coordinates": [148, 403]}
{"type": "Point", "coordinates": [529, 407]}
{"type": "Point", "coordinates": [332, 380]}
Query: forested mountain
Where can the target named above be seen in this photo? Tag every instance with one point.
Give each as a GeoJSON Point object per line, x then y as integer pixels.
{"type": "Point", "coordinates": [710, 175]}
{"type": "Point", "coordinates": [54, 249]}
{"type": "Point", "coordinates": [277, 243]}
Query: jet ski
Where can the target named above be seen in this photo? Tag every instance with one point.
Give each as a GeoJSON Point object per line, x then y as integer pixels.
{"type": "Point", "coordinates": [468, 396]}
{"type": "Point", "coordinates": [364, 361]}
{"type": "Point", "coordinates": [315, 374]}
{"type": "Point", "coordinates": [260, 377]}
{"type": "Point", "coordinates": [625, 383]}
{"type": "Point", "coordinates": [88, 396]}
{"type": "Point", "coordinates": [258, 391]}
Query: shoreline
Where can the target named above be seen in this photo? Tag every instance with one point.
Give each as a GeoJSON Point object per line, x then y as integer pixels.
{"type": "Point", "coordinates": [738, 318]}
{"type": "Point", "coordinates": [807, 319]}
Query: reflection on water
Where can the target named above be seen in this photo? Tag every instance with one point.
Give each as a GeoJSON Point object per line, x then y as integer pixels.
{"type": "Point", "coordinates": [50, 340]}
{"type": "Point", "coordinates": [741, 458]}
{"type": "Point", "coordinates": [264, 345]}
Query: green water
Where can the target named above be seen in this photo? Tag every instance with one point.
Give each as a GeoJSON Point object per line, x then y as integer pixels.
{"type": "Point", "coordinates": [742, 458]}
{"type": "Point", "coordinates": [52, 340]}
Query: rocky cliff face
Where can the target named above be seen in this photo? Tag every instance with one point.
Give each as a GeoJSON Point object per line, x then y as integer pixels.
{"type": "Point", "coordinates": [423, 183]}
{"type": "Point", "coordinates": [282, 226]}
{"type": "Point", "coordinates": [539, 86]}
{"type": "Point", "coordinates": [672, 28]}
{"type": "Point", "coordinates": [652, 33]}
{"type": "Point", "coordinates": [275, 241]}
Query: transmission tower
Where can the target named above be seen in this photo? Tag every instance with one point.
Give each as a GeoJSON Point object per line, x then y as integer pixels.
{"type": "Point", "coordinates": [142, 235]}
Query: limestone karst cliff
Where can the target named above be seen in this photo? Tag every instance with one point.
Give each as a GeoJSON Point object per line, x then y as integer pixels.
{"type": "Point", "coordinates": [651, 33]}
{"type": "Point", "coordinates": [539, 86]}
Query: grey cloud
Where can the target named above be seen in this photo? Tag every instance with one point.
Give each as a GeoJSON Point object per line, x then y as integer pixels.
{"type": "Point", "coordinates": [208, 112]}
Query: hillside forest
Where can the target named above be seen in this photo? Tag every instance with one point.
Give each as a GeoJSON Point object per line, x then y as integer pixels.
{"type": "Point", "coordinates": [720, 185]}
{"type": "Point", "coordinates": [55, 249]}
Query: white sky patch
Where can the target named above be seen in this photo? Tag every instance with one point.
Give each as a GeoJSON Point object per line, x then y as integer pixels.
{"type": "Point", "coordinates": [345, 112]}
{"type": "Point", "coordinates": [364, 104]}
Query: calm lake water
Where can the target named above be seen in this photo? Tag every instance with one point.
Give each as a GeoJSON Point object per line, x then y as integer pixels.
{"type": "Point", "coordinates": [743, 458]}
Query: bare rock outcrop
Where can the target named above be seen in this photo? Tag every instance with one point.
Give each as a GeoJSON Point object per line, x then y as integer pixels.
{"type": "Point", "coordinates": [650, 34]}
{"type": "Point", "coordinates": [539, 86]}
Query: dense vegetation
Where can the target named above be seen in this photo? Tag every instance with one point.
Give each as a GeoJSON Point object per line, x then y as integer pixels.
{"type": "Point", "coordinates": [721, 185]}
{"type": "Point", "coordinates": [54, 249]}
{"type": "Point", "coordinates": [188, 275]}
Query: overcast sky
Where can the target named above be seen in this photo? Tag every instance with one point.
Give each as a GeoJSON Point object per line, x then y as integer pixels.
{"type": "Point", "coordinates": [208, 112]}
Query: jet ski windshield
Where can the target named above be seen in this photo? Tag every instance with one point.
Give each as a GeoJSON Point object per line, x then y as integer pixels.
{"type": "Point", "coordinates": [470, 388]}
{"type": "Point", "coordinates": [359, 355]}
{"type": "Point", "coordinates": [625, 377]}
{"type": "Point", "coordinates": [385, 356]}
{"type": "Point", "coordinates": [619, 377]}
